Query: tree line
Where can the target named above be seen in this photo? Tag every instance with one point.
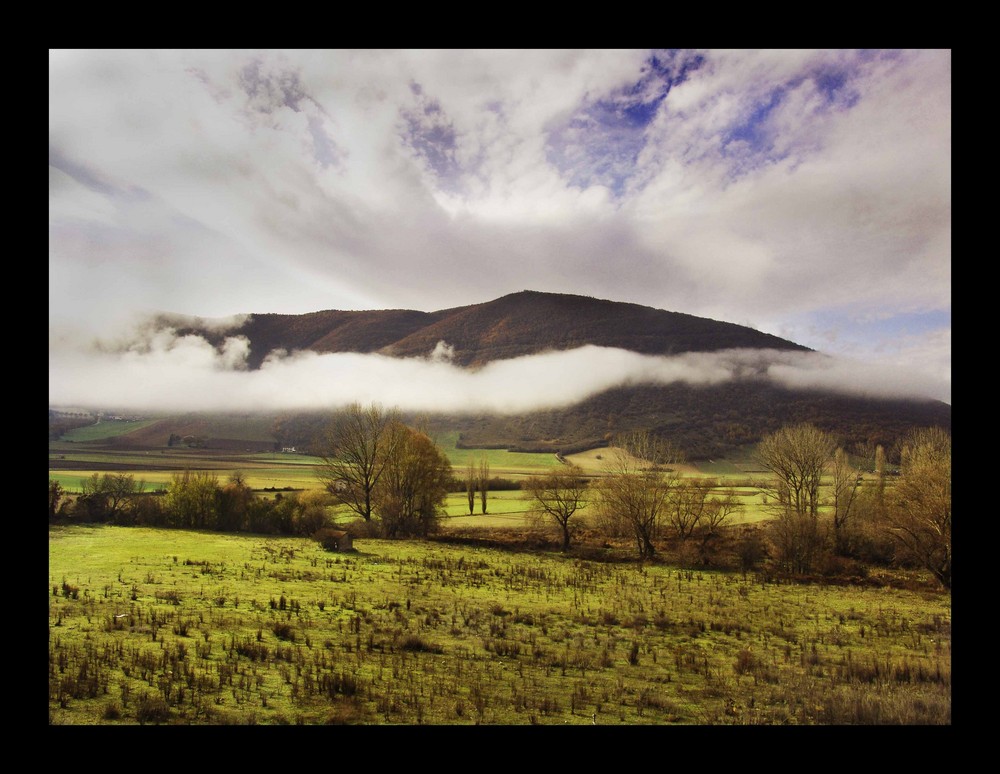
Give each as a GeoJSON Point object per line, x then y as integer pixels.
{"type": "Point", "coordinates": [391, 476]}
{"type": "Point", "coordinates": [192, 500]}
{"type": "Point", "coordinates": [394, 479]}
{"type": "Point", "coordinates": [822, 509]}
{"type": "Point", "coordinates": [902, 519]}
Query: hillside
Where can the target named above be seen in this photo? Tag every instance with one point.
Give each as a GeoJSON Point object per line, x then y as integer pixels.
{"type": "Point", "coordinates": [705, 422]}
{"type": "Point", "coordinates": [519, 324]}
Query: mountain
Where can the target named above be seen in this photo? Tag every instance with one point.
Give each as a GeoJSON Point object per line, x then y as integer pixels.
{"type": "Point", "coordinates": [524, 323]}
{"type": "Point", "coordinates": [705, 421]}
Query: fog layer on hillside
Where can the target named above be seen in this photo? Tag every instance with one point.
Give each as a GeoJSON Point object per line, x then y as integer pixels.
{"type": "Point", "coordinates": [162, 371]}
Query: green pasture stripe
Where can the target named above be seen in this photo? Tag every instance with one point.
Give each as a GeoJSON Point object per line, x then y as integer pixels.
{"type": "Point", "coordinates": [500, 460]}
{"type": "Point", "coordinates": [486, 520]}
{"type": "Point", "coordinates": [106, 428]}
{"type": "Point", "coordinates": [496, 502]}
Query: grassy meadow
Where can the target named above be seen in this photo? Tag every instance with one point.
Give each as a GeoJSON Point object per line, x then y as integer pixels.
{"type": "Point", "coordinates": [72, 461]}
{"type": "Point", "coordinates": [181, 627]}
{"type": "Point", "coordinates": [184, 627]}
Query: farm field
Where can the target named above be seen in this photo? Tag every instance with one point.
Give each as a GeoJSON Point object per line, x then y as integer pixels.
{"type": "Point", "coordinates": [283, 471]}
{"type": "Point", "coordinates": [183, 627]}
{"type": "Point", "coordinates": [511, 508]}
{"type": "Point", "coordinates": [257, 478]}
{"type": "Point", "coordinates": [71, 462]}
{"type": "Point", "coordinates": [79, 455]}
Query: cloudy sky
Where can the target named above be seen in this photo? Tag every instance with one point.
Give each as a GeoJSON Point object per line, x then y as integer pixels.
{"type": "Point", "coordinates": [804, 193]}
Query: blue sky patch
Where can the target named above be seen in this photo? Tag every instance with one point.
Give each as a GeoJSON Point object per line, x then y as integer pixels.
{"type": "Point", "coordinates": [431, 135]}
{"type": "Point", "coordinates": [600, 143]}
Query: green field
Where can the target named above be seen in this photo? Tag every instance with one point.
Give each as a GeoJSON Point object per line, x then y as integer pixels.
{"type": "Point", "coordinates": [106, 428]}
{"type": "Point", "coordinates": [268, 470]}
{"type": "Point", "coordinates": [502, 462]}
{"type": "Point", "coordinates": [257, 478]}
{"type": "Point", "coordinates": [179, 627]}
{"type": "Point", "coordinates": [71, 462]}
{"type": "Point", "coordinates": [165, 626]}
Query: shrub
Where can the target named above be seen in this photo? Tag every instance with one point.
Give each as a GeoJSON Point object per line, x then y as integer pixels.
{"type": "Point", "coordinates": [415, 643]}
{"type": "Point", "coordinates": [283, 631]}
{"type": "Point", "coordinates": [746, 662]}
{"type": "Point", "coordinates": [152, 709]}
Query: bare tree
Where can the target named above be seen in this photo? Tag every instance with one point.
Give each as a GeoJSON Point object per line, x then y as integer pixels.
{"type": "Point", "coordinates": [635, 491]}
{"type": "Point", "coordinates": [879, 481]}
{"type": "Point", "coordinates": [918, 512]}
{"type": "Point", "coordinates": [559, 494]}
{"type": "Point", "coordinates": [722, 508]}
{"type": "Point", "coordinates": [471, 477]}
{"type": "Point", "coordinates": [652, 449]}
{"type": "Point", "coordinates": [484, 480]}
{"type": "Point", "coordinates": [355, 450]}
{"type": "Point", "coordinates": [690, 504]}
{"type": "Point", "coordinates": [796, 456]}
{"type": "Point", "coordinates": [697, 507]}
{"type": "Point", "coordinates": [846, 486]}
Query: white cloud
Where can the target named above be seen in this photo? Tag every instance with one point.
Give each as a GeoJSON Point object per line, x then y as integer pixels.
{"type": "Point", "coordinates": [163, 371]}
{"type": "Point", "coordinates": [769, 187]}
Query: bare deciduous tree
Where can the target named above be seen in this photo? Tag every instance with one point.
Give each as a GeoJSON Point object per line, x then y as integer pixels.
{"type": "Point", "coordinates": [918, 512]}
{"type": "Point", "coordinates": [484, 480]}
{"type": "Point", "coordinates": [635, 491]}
{"type": "Point", "coordinates": [796, 457]}
{"type": "Point", "coordinates": [690, 504]}
{"type": "Point", "coordinates": [355, 451]}
{"type": "Point", "coordinates": [846, 486]}
{"type": "Point", "coordinates": [108, 497]}
{"type": "Point", "coordinates": [722, 508]}
{"type": "Point", "coordinates": [471, 477]}
{"type": "Point", "coordinates": [653, 449]}
{"type": "Point", "coordinates": [559, 494]}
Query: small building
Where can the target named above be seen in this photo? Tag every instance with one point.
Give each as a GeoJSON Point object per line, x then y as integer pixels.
{"type": "Point", "coordinates": [338, 540]}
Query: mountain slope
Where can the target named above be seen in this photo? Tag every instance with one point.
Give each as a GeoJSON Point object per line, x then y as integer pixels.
{"type": "Point", "coordinates": [519, 324]}
{"type": "Point", "coordinates": [529, 322]}
{"type": "Point", "coordinates": [704, 421]}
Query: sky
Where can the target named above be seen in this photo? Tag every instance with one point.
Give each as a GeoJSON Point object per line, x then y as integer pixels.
{"type": "Point", "coordinates": [804, 193]}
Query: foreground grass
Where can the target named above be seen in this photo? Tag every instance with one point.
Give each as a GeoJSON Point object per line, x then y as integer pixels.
{"type": "Point", "coordinates": [177, 627]}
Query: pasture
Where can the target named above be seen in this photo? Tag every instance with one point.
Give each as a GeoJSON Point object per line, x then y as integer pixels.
{"type": "Point", "coordinates": [104, 429]}
{"type": "Point", "coordinates": [71, 463]}
{"type": "Point", "coordinates": [183, 627]}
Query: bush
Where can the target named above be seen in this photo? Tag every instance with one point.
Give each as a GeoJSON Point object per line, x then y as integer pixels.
{"type": "Point", "coordinates": [152, 709]}
{"type": "Point", "coordinates": [359, 528]}
{"type": "Point", "coordinates": [414, 643]}
{"type": "Point", "coordinates": [283, 631]}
